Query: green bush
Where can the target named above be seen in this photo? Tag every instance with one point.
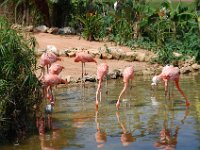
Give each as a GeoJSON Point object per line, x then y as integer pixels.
{"type": "Point", "coordinates": [92, 26]}
{"type": "Point", "coordinates": [19, 87]}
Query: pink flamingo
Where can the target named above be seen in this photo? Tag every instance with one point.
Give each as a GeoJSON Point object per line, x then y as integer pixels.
{"type": "Point", "coordinates": [84, 57]}
{"type": "Point", "coordinates": [47, 59]}
{"type": "Point", "coordinates": [128, 74]}
{"type": "Point", "coordinates": [170, 73]}
{"type": "Point", "coordinates": [49, 81]}
{"type": "Point", "coordinates": [102, 71]}
{"type": "Point", "coordinates": [55, 69]}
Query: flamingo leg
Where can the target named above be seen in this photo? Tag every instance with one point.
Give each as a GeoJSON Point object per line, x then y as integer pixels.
{"type": "Point", "coordinates": [166, 86]}
{"type": "Point", "coordinates": [100, 95]}
{"type": "Point", "coordinates": [83, 81]}
{"type": "Point", "coordinates": [52, 96]}
{"type": "Point", "coordinates": [130, 90]}
{"type": "Point", "coordinates": [97, 92]}
{"type": "Point", "coordinates": [122, 92]}
{"type": "Point", "coordinates": [82, 74]}
{"type": "Point", "coordinates": [180, 90]}
{"type": "Point", "coordinates": [84, 69]}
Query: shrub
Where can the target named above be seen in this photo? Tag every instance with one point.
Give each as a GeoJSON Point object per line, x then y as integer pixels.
{"type": "Point", "coordinates": [19, 87]}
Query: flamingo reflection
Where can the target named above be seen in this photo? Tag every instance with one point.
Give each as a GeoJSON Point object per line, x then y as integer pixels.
{"type": "Point", "coordinates": [43, 118]}
{"type": "Point", "coordinates": [100, 136]}
{"type": "Point", "coordinates": [126, 137]}
{"type": "Point", "coordinates": [53, 140]}
{"type": "Point", "coordinates": [168, 137]}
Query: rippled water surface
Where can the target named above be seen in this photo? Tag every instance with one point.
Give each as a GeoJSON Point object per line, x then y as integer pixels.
{"type": "Point", "coordinates": [145, 120]}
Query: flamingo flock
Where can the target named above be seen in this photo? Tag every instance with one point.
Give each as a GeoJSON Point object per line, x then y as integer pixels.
{"type": "Point", "coordinates": [50, 71]}
{"type": "Point", "coordinates": [50, 76]}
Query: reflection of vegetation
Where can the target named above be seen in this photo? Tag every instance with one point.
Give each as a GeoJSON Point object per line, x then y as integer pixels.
{"type": "Point", "coordinates": [19, 87]}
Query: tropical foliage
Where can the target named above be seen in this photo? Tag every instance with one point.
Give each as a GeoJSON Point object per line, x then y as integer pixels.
{"type": "Point", "coordinates": [166, 28]}
{"type": "Point", "coordinates": [19, 87]}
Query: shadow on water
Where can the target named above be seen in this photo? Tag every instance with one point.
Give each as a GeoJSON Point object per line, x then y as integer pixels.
{"type": "Point", "coordinates": [145, 120]}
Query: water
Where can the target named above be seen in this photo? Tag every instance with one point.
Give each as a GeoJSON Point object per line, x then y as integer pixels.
{"type": "Point", "coordinates": [145, 120]}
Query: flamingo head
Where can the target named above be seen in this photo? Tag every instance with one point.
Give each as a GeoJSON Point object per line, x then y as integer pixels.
{"type": "Point", "coordinates": [155, 80]}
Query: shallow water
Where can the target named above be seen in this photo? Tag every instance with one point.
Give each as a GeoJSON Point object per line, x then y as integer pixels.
{"type": "Point", "coordinates": [145, 120]}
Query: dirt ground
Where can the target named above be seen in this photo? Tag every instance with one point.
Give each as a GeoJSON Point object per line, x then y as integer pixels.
{"type": "Point", "coordinates": [74, 69]}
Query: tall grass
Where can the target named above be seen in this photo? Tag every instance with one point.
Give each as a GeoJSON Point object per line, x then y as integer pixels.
{"type": "Point", "coordinates": [19, 87]}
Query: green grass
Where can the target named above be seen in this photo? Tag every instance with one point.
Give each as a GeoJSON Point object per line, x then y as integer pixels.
{"type": "Point", "coordinates": [156, 3]}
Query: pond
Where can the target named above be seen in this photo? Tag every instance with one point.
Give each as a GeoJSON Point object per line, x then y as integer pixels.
{"type": "Point", "coordinates": [145, 120]}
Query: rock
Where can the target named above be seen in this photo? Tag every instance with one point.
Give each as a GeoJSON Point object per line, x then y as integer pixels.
{"type": "Point", "coordinates": [16, 26]}
{"type": "Point", "coordinates": [116, 56]}
{"type": "Point", "coordinates": [186, 64]}
{"type": "Point", "coordinates": [53, 49]}
{"type": "Point", "coordinates": [62, 52]}
{"type": "Point", "coordinates": [114, 74]}
{"type": "Point", "coordinates": [28, 28]}
{"type": "Point", "coordinates": [181, 63]}
{"type": "Point", "coordinates": [117, 53]}
{"type": "Point", "coordinates": [106, 56]}
{"type": "Point", "coordinates": [41, 28]}
{"type": "Point", "coordinates": [90, 78]}
{"type": "Point", "coordinates": [61, 31]}
{"type": "Point", "coordinates": [130, 56]}
{"type": "Point", "coordinates": [39, 52]}
{"type": "Point", "coordinates": [196, 66]}
{"type": "Point", "coordinates": [185, 70]}
{"type": "Point", "coordinates": [140, 56]}
{"type": "Point", "coordinates": [190, 60]}
{"type": "Point", "coordinates": [94, 52]}
{"type": "Point", "coordinates": [67, 30]}
{"type": "Point", "coordinates": [53, 30]}
{"type": "Point", "coordinates": [68, 78]}
{"type": "Point", "coordinates": [71, 54]}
